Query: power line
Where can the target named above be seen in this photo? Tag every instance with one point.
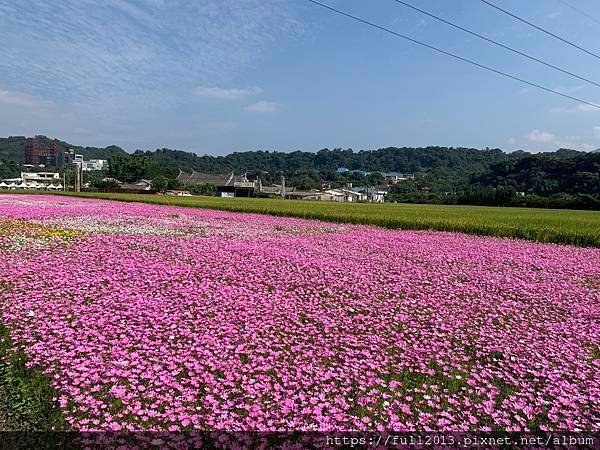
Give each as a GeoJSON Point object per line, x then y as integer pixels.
{"type": "Point", "coordinates": [431, 47]}
{"type": "Point", "coordinates": [595, 55]}
{"type": "Point", "coordinates": [499, 44]}
{"type": "Point", "coordinates": [583, 13]}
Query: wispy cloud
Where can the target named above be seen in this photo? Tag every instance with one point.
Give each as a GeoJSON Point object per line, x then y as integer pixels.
{"type": "Point", "coordinates": [550, 141]}
{"type": "Point", "coordinates": [21, 99]}
{"type": "Point", "coordinates": [225, 94]}
{"type": "Point", "coordinates": [581, 108]}
{"type": "Point", "coordinates": [262, 107]}
{"type": "Point", "coordinates": [570, 89]}
{"type": "Point", "coordinates": [587, 108]}
{"type": "Point", "coordinates": [541, 136]}
{"type": "Point", "coordinates": [84, 50]}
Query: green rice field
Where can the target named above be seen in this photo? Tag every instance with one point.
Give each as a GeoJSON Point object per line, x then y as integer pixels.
{"type": "Point", "coordinates": [580, 228]}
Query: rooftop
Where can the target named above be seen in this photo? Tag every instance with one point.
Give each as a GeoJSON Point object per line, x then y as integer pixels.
{"type": "Point", "coordinates": [209, 178]}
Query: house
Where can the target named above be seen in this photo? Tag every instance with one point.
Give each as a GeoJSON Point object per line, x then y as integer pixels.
{"type": "Point", "coordinates": [273, 190]}
{"type": "Point", "coordinates": [304, 195]}
{"type": "Point", "coordinates": [40, 177]}
{"type": "Point", "coordinates": [344, 195]}
{"type": "Point", "coordinates": [91, 165]}
{"type": "Point", "coordinates": [227, 185]}
{"type": "Point", "coordinates": [207, 178]}
{"type": "Point", "coordinates": [112, 180]}
{"type": "Point", "coordinates": [395, 177]}
{"type": "Point", "coordinates": [33, 180]}
{"type": "Point", "coordinates": [276, 189]}
{"type": "Point", "coordinates": [375, 194]}
{"type": "Point", "coordinates": [342, 170]}
{"type": "Point", "coordinates": [179, 193]}
{"type": "Point", "coordinates": [141, 185]}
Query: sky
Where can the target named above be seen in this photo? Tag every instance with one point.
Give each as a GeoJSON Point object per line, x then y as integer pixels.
{"type": "Point", "coordinates": [218, 76]}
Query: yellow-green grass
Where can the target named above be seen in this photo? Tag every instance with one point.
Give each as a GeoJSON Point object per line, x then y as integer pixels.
{"type": "Point", "coordinates": [580, 228]}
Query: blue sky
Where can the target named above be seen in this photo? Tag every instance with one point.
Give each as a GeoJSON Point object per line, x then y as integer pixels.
{"type": "Point", "coordinates": [217, 76]}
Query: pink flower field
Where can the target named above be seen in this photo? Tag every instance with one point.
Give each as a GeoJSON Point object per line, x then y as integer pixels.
{"type": "Point", "coordinates": [163, 318]}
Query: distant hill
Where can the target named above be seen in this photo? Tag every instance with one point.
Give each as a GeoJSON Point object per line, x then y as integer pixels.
{"type": "Point", "coordinates": [440, 168]}
{"type": "Point", "coordinates": [439, 160]}
{"type": "Point", "coordinates": [546, 174]}
{"type": "Point", "coordinates": [12, 148]}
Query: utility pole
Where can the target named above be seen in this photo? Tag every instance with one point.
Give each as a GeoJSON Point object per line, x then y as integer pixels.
{"type": "Point", "coordinates": [77, 178]}
{"type": "Point", "coordinates": [282, 186]}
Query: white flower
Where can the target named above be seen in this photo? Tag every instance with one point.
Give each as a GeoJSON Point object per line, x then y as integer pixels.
{"type": "Point", "coordinates": [30, 313]}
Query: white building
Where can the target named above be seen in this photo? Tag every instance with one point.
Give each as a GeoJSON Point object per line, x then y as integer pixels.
{"type": "Point", "coordinates": [375, 194]}
{"type": "Point", "coordinates": [33, 180]}
{"type": "Point", "coordinates": [91, 165]}
{"type": "Point", "coordinates": [39, 177]}
{"type": "Point", "coordinates": [395, 177]}
{"type": "Point", "coordinates": [94, 164]}
{"type": "Point", "coordinates": [343, 195]}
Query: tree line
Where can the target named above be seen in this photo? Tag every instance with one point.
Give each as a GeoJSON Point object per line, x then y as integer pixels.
{"type": "Point", "coordinates": [565, 178]}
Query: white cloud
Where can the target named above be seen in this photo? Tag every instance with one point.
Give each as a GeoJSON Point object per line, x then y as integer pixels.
{"type": "Point", "coordinates": [226, 94]}
{"type": "Point", "coordinates": [262, 107]}
{"type": "Point", "coordinates": [587, 108]}
{"type": "Point", "coordinates": [541, 136]}
{"type": "Point", "coordinates": [153, 49]}
{"type": "Point", "coordinates": [573, 144]}
{"type": "Point", "coordinates": [512, 141]}
{"type": "Point", "coordinates": [570, 89]}
{"type": "Point", "coordinates": [554, 142]}
{"type": "Point", "coordinates": [597, 132]}
{"type": "Point", "coordinates": [21, 99]}
{"type": "Point", "coordinates": [581, 108]}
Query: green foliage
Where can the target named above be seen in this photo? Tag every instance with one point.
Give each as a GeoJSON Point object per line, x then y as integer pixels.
{"type": "Point", "coordinates": [9, 169]}
{"type": "Point", "coordinates": [104, 184]}
{"type": "Point", "coordinates": [163, 184]}
{"type": "Point", "coordinates": [13, 149]}
{"type": "Point", "coordinates": [30, 397]}
{"type": "Point", "coordinates": [311, 168]}
{"type": "Point", "coordinates": [560, 226]}
{"type": "Point", "coordinates": [443, 175]}
{"type": "Point", "coordinates": [546, 174]}
{"type": "Point", "coordinates": [160, 184]}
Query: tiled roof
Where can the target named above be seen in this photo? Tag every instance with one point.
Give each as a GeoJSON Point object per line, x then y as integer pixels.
{"type": "Point", "coordinates": [208, 178]}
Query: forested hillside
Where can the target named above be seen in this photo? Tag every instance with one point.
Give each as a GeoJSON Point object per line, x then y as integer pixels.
{"type": "Point", "coordinates": [12, 148]}
{"type": "Point", "coordinates": [565, 178]}
{"type": "Point", "coordinates": [433, 159]}
{"type": "Point", "coordinates": [308, 169]}
{"type": "Point", "coordinates": [543, 174]}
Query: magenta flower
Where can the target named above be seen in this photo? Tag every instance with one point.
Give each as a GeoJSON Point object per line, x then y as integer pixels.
{"type": "Point", "coordinates": [162, 318]}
